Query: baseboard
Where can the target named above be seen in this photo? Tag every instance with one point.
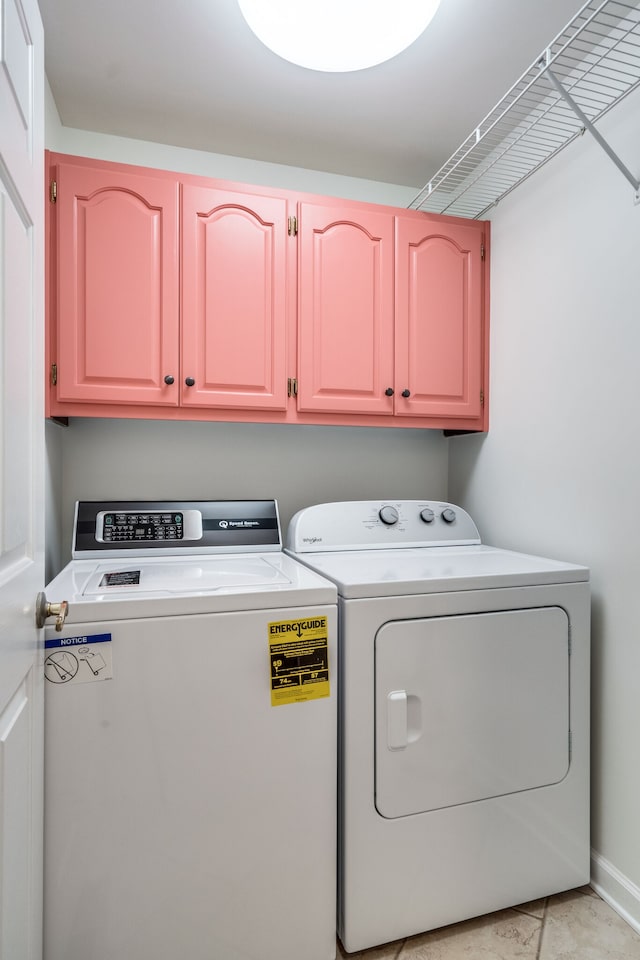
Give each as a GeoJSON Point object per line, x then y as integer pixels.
{"type": "Point", "coordinates": [616, 889]}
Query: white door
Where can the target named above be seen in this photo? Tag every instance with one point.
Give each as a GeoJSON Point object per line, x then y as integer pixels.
{"type": "Point", "coordinates": [470, 707]}
{"type": "Point", "coordinates": [21, 476]}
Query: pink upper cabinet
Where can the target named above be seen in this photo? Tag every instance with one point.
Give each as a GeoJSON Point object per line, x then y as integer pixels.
{"type": "Point", "coordinates": [117, 293]}
{"type": "Point", "coordinates": [175, 297]}
{"type": "Point", "coordinates": [345, 296]}
{"type": "Point", "coordinates": [234, 300]}
{"type": "Point", "coordinates": [439, 324]}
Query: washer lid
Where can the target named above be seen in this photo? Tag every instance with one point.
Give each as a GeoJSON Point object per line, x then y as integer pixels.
{"type": "Point", "coordinates": [163, 587]}
{"type": "Point", "coordinates": [135, 577]}
{"type": "Point", "coordinates": [403, 572]}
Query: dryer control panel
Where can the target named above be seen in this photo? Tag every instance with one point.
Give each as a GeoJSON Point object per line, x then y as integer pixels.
{"type": "Point", "coordinates": [380, 524]}
{"type": "Point", "coordinates": [172, 527]}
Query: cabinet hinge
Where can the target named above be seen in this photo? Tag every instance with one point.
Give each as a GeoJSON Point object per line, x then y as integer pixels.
{"type": "Point", "coordinates": [54, 374]}
{"type": "Point", "coordinates": [292, 387]}
{"type": "Point", "coordinates": [482, 398]}
{"type": "Point", "coordinates": [293, 226]}
{"type": "Point", "coordinates": [482, 250]}
{"type": "Point", "coordinates": [53, 191]}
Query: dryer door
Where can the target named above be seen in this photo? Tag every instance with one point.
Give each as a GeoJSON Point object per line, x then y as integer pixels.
{"type": "Point", "coordinates": [470, 707]}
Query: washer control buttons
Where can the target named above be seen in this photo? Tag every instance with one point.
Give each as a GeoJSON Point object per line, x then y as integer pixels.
{"type": "Point", "coordinates": [448, 515]}
{"type": "Point", "coordinates": [388, 515]}
{"type": "Point", "coordinates": [427, 515]}
{"type": "Point", "coordinates": [136, 527]}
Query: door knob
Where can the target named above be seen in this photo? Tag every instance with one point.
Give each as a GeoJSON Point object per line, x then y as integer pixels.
{"type": "Point", "coordinates": [169, 380]}
{"type": "Point", "coordinates": [406, 393]}
{"type": "Point", "coordinates": [44, 610]}
{"type": "Point", "coordinates": [388, 392]}
{"type": "Point", "coordinates": [189, 381]}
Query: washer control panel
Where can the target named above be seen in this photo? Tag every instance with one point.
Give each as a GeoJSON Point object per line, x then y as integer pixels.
{"type": "Point", "coordinates": [172, 527]}
{"type": "Point", "coordinates": [371, 525]}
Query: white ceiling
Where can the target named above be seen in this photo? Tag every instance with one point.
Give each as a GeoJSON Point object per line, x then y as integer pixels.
{"type": "Point", "coordinates": [192, 74]}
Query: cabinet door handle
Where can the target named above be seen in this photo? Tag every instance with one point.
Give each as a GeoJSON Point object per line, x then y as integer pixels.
{"type": "Point", "coordinates": [388, 392]}
{"type": "Point", "coordinates": [189, 381]}
{"type": "Point", "coordinates": [406, 393]}
{"type": "Point", "coordinates": [169, 380]}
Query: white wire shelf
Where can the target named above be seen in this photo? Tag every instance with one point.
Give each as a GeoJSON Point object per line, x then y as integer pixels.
{"type": "Point", "coordinates": [596, 59]}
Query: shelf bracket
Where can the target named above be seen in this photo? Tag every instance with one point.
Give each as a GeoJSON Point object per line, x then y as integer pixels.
{"type": "Point", "coordinates": [595, 133]}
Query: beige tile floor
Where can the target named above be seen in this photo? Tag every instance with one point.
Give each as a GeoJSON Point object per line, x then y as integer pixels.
{"type": "Point", "coordinates": [577, 925]}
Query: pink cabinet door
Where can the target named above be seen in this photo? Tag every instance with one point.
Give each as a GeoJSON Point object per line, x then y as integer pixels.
{"type": "Point", "coordinates": [439, 304]}
{"type": "Point", "coordinates": [117, 291]}
{"type": "Point", "coordinates": [345, 324]}
{"type": "Point", "coordinates": [234, 299]}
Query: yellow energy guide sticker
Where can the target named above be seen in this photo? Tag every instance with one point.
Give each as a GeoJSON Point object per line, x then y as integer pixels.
{"type": "Point", "coordinates": [299, 652]}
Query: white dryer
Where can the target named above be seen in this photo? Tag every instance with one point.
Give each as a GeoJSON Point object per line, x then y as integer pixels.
{"type": "Point", "coordinates": [190, 740]}
{"type": "Point", "coordinates": [463, 717]}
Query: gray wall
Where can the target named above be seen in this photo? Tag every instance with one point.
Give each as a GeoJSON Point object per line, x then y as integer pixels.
{"type": "Point", "coordinates": [559, 471]}
{"type": "Point", "coordinates": [54, 535]}
{"type": "Point", "coordinates": [102, 146]}
{"type": "Point", "coordinates": [297, 465]}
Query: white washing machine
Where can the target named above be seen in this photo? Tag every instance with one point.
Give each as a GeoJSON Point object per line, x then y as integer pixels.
{"type": "Point", "coordinates": [463, 717]}
{"type": "Point", "coordinates": [190, 740]}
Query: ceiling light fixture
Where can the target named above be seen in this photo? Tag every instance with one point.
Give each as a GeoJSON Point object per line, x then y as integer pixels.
{"type": "Point", "coordinates": [338, 35]}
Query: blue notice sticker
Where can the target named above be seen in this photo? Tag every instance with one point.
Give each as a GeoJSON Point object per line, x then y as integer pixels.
{"type": "Point", "coordinates": [77, 641]}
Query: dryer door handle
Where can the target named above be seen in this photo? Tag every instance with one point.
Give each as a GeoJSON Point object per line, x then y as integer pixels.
{"type": "Point", "coordinates": [397, 720]}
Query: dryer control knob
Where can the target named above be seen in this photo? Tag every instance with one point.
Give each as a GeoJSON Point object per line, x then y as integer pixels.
{"type": "Point", "coordinates": [427, 515]}
{"type": "Point", "coordinates": [388, 515]}
{"type": "Point", "coordinates": [448, 515]}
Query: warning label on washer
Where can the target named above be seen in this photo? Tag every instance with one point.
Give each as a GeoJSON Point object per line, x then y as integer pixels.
{"type": "Point", "coordinates": [78, 659]}
{"type": "Point", "coordinates": [121, 578]}
{"type": "Point", "coordinates": [299, 652]}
